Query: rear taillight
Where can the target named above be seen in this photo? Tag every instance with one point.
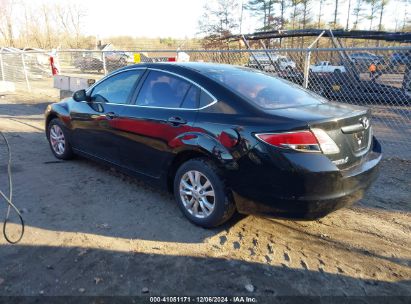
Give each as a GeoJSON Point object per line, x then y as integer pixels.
{"type": "Point", "coordinates": [301, 141]}
{"type": "Point", "coordinates": [305, 141]}
{"type": "Point", "coordinates": [328, 146]}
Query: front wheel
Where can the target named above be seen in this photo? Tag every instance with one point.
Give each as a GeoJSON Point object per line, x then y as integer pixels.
{"type": "Point", "coordinates": [57, 136]}
{"type": "Point", "coordinates": [201, 193]}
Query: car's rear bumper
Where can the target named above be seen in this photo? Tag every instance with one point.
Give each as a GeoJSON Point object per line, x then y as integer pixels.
{"type": "Point", "coordinates": [317, 192]}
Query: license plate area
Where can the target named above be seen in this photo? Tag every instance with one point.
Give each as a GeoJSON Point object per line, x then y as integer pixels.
{"type": "Point", "coordinates": [360, 141]}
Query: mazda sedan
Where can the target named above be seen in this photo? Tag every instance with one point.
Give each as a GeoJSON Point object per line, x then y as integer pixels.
{"type": "Point", "coordinates": [222, 139]}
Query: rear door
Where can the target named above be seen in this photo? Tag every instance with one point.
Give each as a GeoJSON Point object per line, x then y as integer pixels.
{"type": "Point", "coordinates": [94, 123]}
{"type": "Point", "coordinates": [166, 107]}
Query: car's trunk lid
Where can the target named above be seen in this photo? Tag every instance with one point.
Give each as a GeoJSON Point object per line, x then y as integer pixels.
{"type": "Point", "coordinates": [348, 126]}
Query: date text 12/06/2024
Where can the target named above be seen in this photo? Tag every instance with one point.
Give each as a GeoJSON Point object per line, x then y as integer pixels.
{"type": "Point", "coordinates": [201, 299]}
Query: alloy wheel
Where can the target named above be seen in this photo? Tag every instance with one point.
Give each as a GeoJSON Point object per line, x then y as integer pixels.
{"type": "Point", "coordinates": [57, 140]}
{"type": "Point", "coordinates": [197, 194]}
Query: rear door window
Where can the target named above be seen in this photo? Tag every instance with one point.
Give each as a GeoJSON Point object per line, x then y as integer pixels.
{"type": "Point", "coordinates": [192, 98]}
{"type": "Point", "coordinates": [163, 90]}
{"type": "Point", "coordinates": [205, 99]}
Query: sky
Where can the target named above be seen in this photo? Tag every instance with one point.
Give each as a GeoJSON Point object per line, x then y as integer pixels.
{"type": "Point", "coordinates": [149, 18]}
{"type": "Point", "coordinates": [179, 18]}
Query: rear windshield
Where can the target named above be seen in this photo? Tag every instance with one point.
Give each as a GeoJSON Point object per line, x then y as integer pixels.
{"type": "Point", "coordinates": [262, 89]}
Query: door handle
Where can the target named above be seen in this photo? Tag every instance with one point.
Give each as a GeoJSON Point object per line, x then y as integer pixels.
{"type": "Point", "coordinates": [111, 115]}
{"type": "Point", "coordinates": [175, 121]}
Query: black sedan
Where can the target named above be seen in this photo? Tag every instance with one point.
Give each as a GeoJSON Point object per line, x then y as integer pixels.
{"type": "Point", "coordinates": [221, 138]}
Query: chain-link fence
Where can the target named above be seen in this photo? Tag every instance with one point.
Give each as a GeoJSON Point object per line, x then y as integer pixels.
{"type": "Point", "coordinates": [379, 78]}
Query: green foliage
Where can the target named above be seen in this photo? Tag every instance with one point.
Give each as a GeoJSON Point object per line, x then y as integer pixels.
{"type": "Point", "coordinates": [264, 10]}
{"type": "Point", "coordinates": [220, 19]}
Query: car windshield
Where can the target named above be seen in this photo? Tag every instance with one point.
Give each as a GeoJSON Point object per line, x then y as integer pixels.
{"type": "Point", "coordinates": [262, 89]}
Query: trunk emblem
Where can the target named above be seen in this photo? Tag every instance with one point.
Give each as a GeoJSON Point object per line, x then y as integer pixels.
{"type": "Point", "coordinates": [365, 122]}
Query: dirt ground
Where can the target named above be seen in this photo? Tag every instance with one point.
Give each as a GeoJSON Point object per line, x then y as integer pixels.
{"type": "Point", "coordinates": [93, 231]}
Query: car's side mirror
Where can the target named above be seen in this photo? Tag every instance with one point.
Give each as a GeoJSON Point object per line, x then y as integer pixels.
{"type": "Point", "coordinates": [81, 95]}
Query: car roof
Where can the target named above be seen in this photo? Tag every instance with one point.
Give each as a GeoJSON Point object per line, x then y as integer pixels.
{"type": "Point", "coordinates": [200, 67]}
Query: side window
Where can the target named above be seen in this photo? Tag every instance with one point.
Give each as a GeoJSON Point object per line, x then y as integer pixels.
{"type": "Point", "coordinates": [163, 90]}
{"type": "Point", "coordinates": [205, 99]}
{"type": "Point", "coordinates": [192, 98]}
{"type": "Point", "coordinates": [116, 89]}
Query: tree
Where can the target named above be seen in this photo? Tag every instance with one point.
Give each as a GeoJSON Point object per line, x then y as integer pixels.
{"type": "Point", "coordinates": [283, 6]}
{"type": "Point", "coordinates": [357, 13]}
{"type": "Point", "coordinates": [335, 14]}
{"type": "Point", "coordinates": [305, 11]}
{"type": "Point", "coordinates": [6, 21]}
{"type": "Point", "coordinates": [406, 24]}
{"type": "Point", "coordinates": [295, 13]}
{"type": "Point", "coordinates": [382, 6]}
{"type": "Point", "coordinates": [373, 9]}
{"type": "Point", "coordinates": [348, 15]}
{"type": "Point", "coordinates": [264, 10]}
{"type": "Point", "coordinates": [322, 3]}
{"type": "Point", "coordinates": [70, 17]}
{"type": "Point", "coordinates": [219, 20]}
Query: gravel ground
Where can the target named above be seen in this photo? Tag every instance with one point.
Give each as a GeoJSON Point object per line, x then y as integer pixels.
{"type": "Point", "coordinates": [94, 231]}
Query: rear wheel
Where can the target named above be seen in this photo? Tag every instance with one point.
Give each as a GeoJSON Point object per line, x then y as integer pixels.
{"type": "Point", "coordinates": [57, 136]}
{"type": "Point", "coordinates": [201, 193]}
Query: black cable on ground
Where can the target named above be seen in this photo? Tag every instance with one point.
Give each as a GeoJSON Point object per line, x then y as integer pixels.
{"type": "Point", "coordinates": [9, 199]}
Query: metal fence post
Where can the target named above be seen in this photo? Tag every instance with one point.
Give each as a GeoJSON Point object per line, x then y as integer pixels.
{"type": "Point", "coordinates": [25, 72]}
{"type": "Point", "coordinates": [306, 68]}
{"type": "Point", "coordinates": [103, 57]}
{"type": "Point", "coordinates": [2, 66]}
{"type": "Point", "coordinates": [307, 61]}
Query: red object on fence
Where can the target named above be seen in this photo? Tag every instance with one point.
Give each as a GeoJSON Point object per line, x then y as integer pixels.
{"type": "Point", "coordinates": [54, 69]}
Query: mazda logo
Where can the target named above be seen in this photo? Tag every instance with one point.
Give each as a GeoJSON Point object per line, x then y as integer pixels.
{"type": "Point", "coordinates": [365, 122]}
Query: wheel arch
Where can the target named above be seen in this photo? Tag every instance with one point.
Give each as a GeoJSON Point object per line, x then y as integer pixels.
{"type": "Point", "coordinates": [202, 145]}
{"type": "Point", "coordinates": [56, 111]}
{"type": "Point", "coordinates": [50, 117]}
{"type": "Point", "coordinates": [179, 159]}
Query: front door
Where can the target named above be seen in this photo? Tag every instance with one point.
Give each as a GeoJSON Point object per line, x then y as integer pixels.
{"type": "Point", "coordinates": [94, 123]}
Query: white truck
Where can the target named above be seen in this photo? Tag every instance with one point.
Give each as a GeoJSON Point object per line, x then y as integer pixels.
{"type": "Point", "coordinates": [326, 67]}
{"type": "Point", "coordinates": [280, 62]}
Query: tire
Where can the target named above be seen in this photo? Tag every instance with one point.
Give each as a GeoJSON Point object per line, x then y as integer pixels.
{"type": "Point", "coordinates": [223, 206]}
{"type": "Point", "coordinates": [61, 148]}
{"type": "Point", "coordinates": [337, 71]}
